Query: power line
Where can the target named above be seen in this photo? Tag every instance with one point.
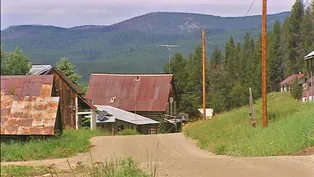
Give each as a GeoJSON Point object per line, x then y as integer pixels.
{"type": "Point", "coordinates": [250, 8]}
{"type": "Point", "coordinates": [249, 12]}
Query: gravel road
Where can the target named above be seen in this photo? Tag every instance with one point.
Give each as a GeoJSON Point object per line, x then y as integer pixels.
{"type": "Point", "coordinates": [175, 156]}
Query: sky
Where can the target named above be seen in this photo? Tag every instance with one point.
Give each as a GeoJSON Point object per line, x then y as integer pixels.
{"type": "Point", "coordinates": [69, 13]}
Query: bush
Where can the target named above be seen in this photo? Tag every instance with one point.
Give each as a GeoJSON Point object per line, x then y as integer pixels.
{"type": "Point", "coordinates": [128, 132]}
{"type": "Point", "coordinates": [296, 90]}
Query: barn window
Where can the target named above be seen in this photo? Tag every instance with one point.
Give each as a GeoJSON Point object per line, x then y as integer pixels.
{"type": "Point", "coordinates": [113, 99]}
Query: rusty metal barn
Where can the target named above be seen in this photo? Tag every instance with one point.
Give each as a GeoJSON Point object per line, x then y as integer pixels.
{"type": "Point", "coordinates": [150, 95]}
{"type": "Point", "coordinates": [70, 102]}
{"type": "Point", "coordinates": [73, 104]}
{"type": "Point", "coordinates": [147, 95]}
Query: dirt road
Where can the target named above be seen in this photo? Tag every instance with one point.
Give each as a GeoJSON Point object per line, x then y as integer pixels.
{"type": "Point", "coordinates": [176, 156]}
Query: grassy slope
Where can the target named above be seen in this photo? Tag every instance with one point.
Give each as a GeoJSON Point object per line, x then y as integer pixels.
{"type": "Point", "coordinates": [69, 143]}
{"type": "Point", "coordinates": [291, 129]}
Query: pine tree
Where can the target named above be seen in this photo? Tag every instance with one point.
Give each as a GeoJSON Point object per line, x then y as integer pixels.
{"type": "Point", "coordinates": [275, 60]}
{"type": "Point", "coordinates": [178, 68]}
{"type": "Point", "coordinates": [192, 98]}
{"type": "Point", "coordinates": [307, 27]}
{"type": "Point", "coordinates": [229, 58]}
{"type": "Point", "coordinates": [217, 95]}
{"type": "Point", "coordinates": [293, 39]}
{"type": "Point", "coordinates": [65, 66]}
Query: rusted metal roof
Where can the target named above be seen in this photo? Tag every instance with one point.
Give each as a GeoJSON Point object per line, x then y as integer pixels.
{"type": "Point", "coordinates": [21, 86]}
{"type": "Point", "coordinates": [28, 116]}
{"type": "Point", "coordinates": [27, 107]}
{"type": "Point", "coordinates": [49, 69]}
{"type": "Point", "coordinates": [130, 92]}
{"type": "Point", "coordinates": [289, 80]}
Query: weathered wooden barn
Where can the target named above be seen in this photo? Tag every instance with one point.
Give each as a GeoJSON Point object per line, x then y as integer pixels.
{"type": "Point", "coordinates": [27, 107]}
{"type": "Point", "coordinates": [149, 95]}
{"type": "Point", "coordinates": [72, 101]}
{"type": "Point", "coordinates": [115, 120]}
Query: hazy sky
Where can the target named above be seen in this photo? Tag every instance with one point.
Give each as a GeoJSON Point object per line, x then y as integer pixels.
{"type": "Point", "coordinates": [68, 13]}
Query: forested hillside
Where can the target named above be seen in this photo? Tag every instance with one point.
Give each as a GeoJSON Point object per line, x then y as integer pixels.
{"type": "Point", "coordinates": [235, 68]}
{"type": "Point", "coordinates": [131, 45]}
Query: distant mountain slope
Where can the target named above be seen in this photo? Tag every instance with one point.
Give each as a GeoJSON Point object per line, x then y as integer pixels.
{"type": "Point", "coordinates": [174, 23]}
{"type": "Point", "coordinates": [131, 45]}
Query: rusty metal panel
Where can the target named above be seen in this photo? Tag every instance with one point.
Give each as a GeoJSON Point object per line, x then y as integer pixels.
{"type": "Point", "coordinates": [130, 92]}
{"type": "Point", "coordinates": [29, 116]}
{"type": "Point", "coordinates": [21, 86]}
{"type": "Point", "coordinates": [45, 90]}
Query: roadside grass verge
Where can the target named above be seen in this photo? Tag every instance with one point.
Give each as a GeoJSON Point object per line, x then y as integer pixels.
{"type": "Point", "coordinates": [69, 143]}
{"type": "Point", "coordinates": [22, 171]}
{"type": "Point", "coordinates": [290, 129]}
{"type": "Point", "coordinates": [123, 168]}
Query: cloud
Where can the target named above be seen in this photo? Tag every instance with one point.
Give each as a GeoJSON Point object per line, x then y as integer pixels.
{"type": "Point", "coordinates": [69, 13]}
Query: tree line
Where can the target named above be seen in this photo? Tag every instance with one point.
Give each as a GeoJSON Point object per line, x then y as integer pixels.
{"type": "Point", "coordinates": [230, 72]}
{"type": "Point", "coordinates": [17, 63]}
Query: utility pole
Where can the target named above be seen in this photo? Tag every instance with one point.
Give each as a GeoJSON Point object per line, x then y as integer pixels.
{"type": "Point", "coordinates": [264, 63]}
{"type": "Point", "coordinates": [168, 47]}
{"type": "Point", "coordinates": [204, 73]}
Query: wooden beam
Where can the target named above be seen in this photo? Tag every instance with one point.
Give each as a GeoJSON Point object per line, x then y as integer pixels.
{"type": "Point", "coordinates": [204, 74]}
{"type": "Point", "coordinates": [84, 113]}
{"type": "Point", "coordinates": [76, 114]}
{"type": "Point", "coordinates": [264, 63]}
{"type": "Point", "coordinates": [93, 121]}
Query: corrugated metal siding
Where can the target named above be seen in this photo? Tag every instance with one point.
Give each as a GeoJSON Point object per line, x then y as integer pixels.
{"type": "Point", "coordinates": [21, 86]}
{"type": "Point", "coordinates": [28, 116]}
{"type": "Point", "coordinates": [149, 93]}
{"type": "Point", "coordinates": [26, 105]}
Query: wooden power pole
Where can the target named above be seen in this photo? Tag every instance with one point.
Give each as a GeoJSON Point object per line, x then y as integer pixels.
{"type": "Point", "coordinates": [204, 74]}
{"type": "Point", "coordinates": [264, 63]}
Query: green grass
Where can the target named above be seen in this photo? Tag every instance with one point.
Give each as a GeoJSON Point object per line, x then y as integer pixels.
{"type": "Point", "coordinates": [22, 171]}
{"type": "Point", "coordinates": [69, 143]}
{"type": "Point", "coordinates": [128, 132]}
{"type": "Point", "coordinates": [124, 168]}
{"type": "Point", "coordinates": [290, 129]}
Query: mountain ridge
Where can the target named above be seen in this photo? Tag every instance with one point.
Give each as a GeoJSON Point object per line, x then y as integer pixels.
{"type": "Point", "coordinates": [130, 45]}
{"type": "Point", "coordinates": [149, 13]}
